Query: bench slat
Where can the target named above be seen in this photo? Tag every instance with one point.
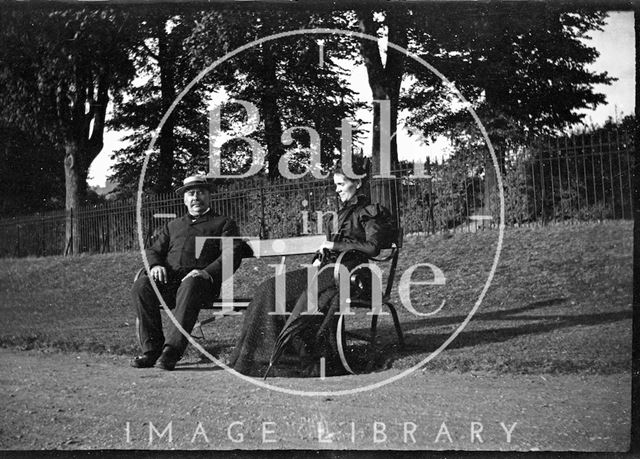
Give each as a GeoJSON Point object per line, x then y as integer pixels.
{"type": "Point", "coordinates": [240, 303]}
{"type": "Point", "coordinates": [286, 246]}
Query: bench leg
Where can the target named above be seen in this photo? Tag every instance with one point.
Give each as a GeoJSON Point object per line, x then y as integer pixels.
{"type": "Point", "coordinates": [396, 324]}
{"type": "Point", "coordinates": [372, 343]}
{"type": "Point", "coordinates": [197, 326]}
{"type": "Point", "coordinates": [341, 341]}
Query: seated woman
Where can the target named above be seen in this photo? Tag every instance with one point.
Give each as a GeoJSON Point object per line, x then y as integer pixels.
{"type": "Point", "coordinates": [360, 229]}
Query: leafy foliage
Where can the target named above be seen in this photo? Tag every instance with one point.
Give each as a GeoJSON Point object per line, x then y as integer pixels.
{"type": "Point", "coordinates": [57, 67]}
{"type": "Point", "coordinates": [525, 72]}
{"type": "Point", "coordinates": [49, 71]}
{"type": "Point", "coordinates": [163, 69]}
{"type": "Point", "coordinates": [283, 78]}
{"type": "Point", "coordinates": [30, 176]}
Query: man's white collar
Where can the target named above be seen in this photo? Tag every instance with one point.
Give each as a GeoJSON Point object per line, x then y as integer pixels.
{"type": "Point", "coordinates": [194, 217]}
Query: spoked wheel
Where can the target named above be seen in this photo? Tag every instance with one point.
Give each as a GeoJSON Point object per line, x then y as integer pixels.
{"type": "Point", "coordinates": [352, 345]}
{"type": "Point", "coordinates": [345, 339]}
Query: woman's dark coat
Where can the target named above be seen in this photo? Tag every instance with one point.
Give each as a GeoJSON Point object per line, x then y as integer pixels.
{"type": "Point", "coordinates": [359, 224]}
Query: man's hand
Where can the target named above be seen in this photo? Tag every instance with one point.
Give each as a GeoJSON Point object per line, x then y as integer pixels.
{"type": "Point", "coordinates": [198, 273]}
{"type": "Point", "coordinates": [159, 274]}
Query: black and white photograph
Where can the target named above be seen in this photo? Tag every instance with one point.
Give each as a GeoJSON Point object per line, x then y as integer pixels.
{"type": "Point", "coordinates": [319, 226]}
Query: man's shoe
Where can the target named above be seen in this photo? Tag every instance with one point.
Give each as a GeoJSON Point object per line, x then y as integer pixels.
{"type": "Point", "coordinates": [147, 360]}
{"type": "Point", "coordinates": [168, 359]}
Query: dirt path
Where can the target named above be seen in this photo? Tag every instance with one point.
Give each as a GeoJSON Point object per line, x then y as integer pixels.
{"type": "Point", "coordinates": [83, 401]}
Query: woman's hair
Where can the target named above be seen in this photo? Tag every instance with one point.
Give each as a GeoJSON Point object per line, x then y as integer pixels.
{"type": "Point", "coordinates": [359, 166]}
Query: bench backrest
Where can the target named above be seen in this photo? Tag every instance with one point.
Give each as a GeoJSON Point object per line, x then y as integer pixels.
{"type": "Point", "coordinates": [301, 245]}
{"type": "Point", "coordinates": [274, 247]}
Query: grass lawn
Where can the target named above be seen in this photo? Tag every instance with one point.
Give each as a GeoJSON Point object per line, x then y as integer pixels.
{"type": "Point", "coordinates": [560, 302]}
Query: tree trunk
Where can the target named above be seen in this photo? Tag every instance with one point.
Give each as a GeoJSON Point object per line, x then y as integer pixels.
{"type": "Point", "coordinates": [75, 175]}
{"type": "Point", "coordinates": [270, 113]}
{"type": "Point", "coordinates": [166, 141]}
{"type": "Point", "coordinates": [494, 123]}
{"type": "Point", "coordinates": [81, 148]}
{"type": "Point", "coordinates": [384, 81]}
{"type": "Point", "coordinates": [384, 189]}
{"type": "Point", "coordinates": [495, 100]}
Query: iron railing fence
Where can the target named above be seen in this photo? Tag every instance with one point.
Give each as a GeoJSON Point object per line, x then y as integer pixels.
{"type": "Point", "coordinates": [584, 177]}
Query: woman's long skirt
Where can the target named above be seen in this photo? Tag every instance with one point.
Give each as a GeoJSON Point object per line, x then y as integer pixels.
{"type": "Point", "coordinates": [317, 338]}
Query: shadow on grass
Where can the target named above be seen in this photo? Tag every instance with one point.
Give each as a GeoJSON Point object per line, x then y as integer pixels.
{"type": "Point", "coordinates": [507, 314]}
{"type": "Point", "coordinates": [419, 340]}
{"type": "Point", "coordinates": [192, 367]}
{"type": "Point", "coordinates": [425, 342]}
{"type": "Point", "coordinates": [289, 366]}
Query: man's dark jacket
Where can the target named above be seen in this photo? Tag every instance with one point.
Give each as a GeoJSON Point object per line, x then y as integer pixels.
{"type": "Point", "coordinates": [175, 248]}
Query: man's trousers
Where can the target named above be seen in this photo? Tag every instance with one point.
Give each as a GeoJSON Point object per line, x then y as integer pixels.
{"type": "Point", "coordinates": [184, 298]}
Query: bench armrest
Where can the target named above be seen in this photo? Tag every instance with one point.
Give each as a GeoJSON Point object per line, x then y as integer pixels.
{"type": "Point", "coordinates": [393, 256]}
{"type": "Point", "coordinates": [138, 274]}
{"type": "Point", "coordinates": [336, 268]}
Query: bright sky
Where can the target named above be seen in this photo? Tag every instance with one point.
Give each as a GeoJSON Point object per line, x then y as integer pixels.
{"type": "Point", "coordinates": [616, 44]}
{"type": "Point", "coordinates": [617, 57]}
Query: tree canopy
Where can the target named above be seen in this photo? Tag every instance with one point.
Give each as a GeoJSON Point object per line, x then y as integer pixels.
{"type": "Point", "coordinates": [286, 78]}
{"type": "Point", "coordinates": [525, 71]}
{"type": "Point", "coordinates": [30, 176]}
{"type": "Point", "coordinates": [57, 67]}
{"type": "Point", "coordinates": [163, 69]}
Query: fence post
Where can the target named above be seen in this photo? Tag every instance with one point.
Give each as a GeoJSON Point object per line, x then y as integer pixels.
{"type": "Point", "coordinates": [542, 188]}
{"type": "Point", "coordinates": [611, 180]}
{"type": "Point", "coordinates": [263, 229]}
{"type": "Point", "coordinates": [42, 237]}
{"type": "Point", "coordinates": [430, 178]}
{"type": "Point", "coordinates": [622, 207]}
{"type": "Point", "coordinates": [604, 193]}
{"type": "Point", "coordinates": [553, 190]}
{"type": "Point", "coordinates": [593, 171]}
{"type": "Point", "coordinates": [532, 160]}
{"type": "Point", "coordinates": [631, 167]}
{"type": "Point", "coordinates": [71, 235]}
{"type": "Point", "coordinates": [566, 158]}
{"type": "Point", "coordinates": [18, 244]}
{"type": "Point", "coordinates": [558, 153]}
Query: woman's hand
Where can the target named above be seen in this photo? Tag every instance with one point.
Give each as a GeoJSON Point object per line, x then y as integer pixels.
{"type": "Point", "coordinates": [329, 245]}
{"type": "Point", "coordinates": [198, 273]}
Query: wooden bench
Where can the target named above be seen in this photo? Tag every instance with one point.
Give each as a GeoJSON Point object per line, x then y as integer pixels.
{"type": "Point", "coordinates": [264, 248]}
{"type": "Point", "coordinates": [305, 245]}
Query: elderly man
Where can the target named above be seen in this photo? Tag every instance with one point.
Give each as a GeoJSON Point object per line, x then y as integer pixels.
{"type": "Point", "coordinates": [187, 282]}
